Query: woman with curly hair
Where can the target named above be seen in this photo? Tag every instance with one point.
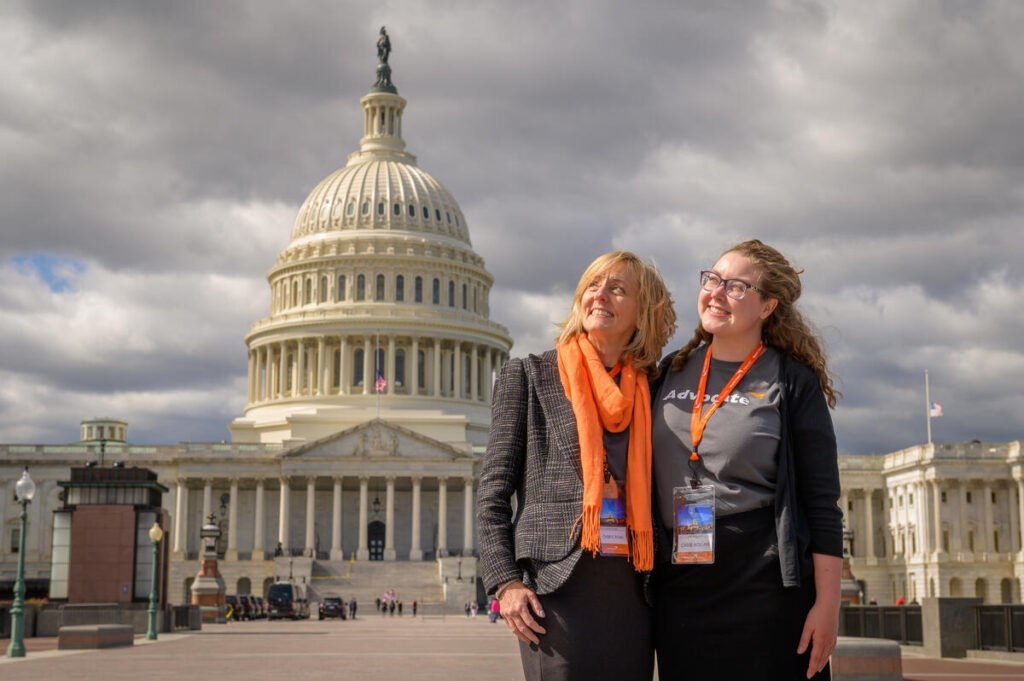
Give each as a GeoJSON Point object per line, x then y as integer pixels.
{"type": "Point", "coordinates": [570, 440]}
{"type": "Point", "coordinates": [746, 484]}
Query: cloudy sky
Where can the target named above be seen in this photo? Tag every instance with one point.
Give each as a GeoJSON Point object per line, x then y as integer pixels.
{"type": "Point", "coordinates": [154, 156]}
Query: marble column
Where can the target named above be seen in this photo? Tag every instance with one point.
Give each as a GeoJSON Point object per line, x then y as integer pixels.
{"type": "Point", "coordinates": [474, 374]}
{"type": "Point", "coordinates": [322, 370]}
{"type": "Point", "coordinates": [282, 371]}
{"type": "Point", "coordinates": [961, 534]}
{"type": "Point", "coordinates": [923, 534]}
{"type": "Point", "coordinates": [391, 366]}
{"type": "Point", "coordinates": [488, 375]}
{"type": "Point", "coordinates": [467, 519]}
{"type": "Point", "coordinates": [336, 551]}
{"type": "Point", "coordinates": [181, 516]}
{"type": "Point", "coordinates": [207, 500]}
{"type": "Point", "coordinates": [232, 552]}
{"type": "Point", "coordinates": [442, 517]}
{"type": "Point", "coordinates": [310, 548]}
{"type": "Point", "coordinates": [869, 523]}
{"type": "Point", "coordinates": [363, 553]}
{"type": "Point", "coordinates": [415, 551]}
{"type": "Point", "coordinates": [1020, 514]}
{"type": "Point", "coordinates": [987, 544]}
{"type": "Point", "coordinates": [257, 540]}
{"type": "Point", "coordinates": [369, 353]}
{"type": "Point", "coordinates": [436, 356]}
{"type": "Point", "coordinates": [889, 547]}
{"type": "Point", "coordinates": [251, 387]}
{"type": "Point", "coordinates": [937, 512]}
{"type": "Point", "coordinates": [389, 520]}
{"type": "Point", "coordinates": [414, 379]}
{"type": "Point", "coordinates": [284, 516]}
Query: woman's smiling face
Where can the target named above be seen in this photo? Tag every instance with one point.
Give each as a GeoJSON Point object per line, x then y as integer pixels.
{"type": "Point", "coordinates": [723, 316]}
{"type": "Point", "coordinates": [609, 304]}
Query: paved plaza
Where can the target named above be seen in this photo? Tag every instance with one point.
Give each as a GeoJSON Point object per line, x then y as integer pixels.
{"type": "Point", "coordinates": [374, 648]}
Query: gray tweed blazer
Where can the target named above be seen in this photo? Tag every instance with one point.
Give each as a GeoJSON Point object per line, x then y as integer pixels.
{"type": "Point", "coordinates": [534, 453]}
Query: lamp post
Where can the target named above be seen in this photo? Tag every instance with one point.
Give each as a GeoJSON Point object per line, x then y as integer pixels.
{"type": "Point", "coordinates": [156, 533]}
{"type": "Point", "coordinates": [24, 489]}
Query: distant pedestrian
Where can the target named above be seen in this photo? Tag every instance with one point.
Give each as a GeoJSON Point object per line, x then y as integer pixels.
{"type": "Point", "coordinates": [399, 608]}
{"type": "Point", "coordinates": [352, 605]}
{"type": "Point", "coordinates": [391, 608]}
{"type": "Point", "coordinates": [414, 608]}
{"type": "Point", "coordinates": [467, 609]}
{"type": "Point", "coordinates": [495, 610]}
{"type": "Point", "coordinates": [378, 603]}
{"type": "Point", "coordinates": [474, 608]}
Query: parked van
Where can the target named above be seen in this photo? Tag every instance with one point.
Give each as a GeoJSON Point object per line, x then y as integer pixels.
{"type": "Point", "coordinates": [287, 599]}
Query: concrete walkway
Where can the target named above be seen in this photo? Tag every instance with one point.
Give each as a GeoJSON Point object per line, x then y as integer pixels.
{"type": "Point", "coordinates": [371, 648]}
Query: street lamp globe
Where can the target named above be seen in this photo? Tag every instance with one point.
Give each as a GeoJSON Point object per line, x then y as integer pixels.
{"type": "Point", "coordinates": [25, 488]}
{"type": "Point", "coordinates": [156, 533]}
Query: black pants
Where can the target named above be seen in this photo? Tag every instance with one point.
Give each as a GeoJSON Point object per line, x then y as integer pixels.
{"type": "Point", "coordinates": [598, 627]}
{"type": "Point", "coordinates": [732, 619]}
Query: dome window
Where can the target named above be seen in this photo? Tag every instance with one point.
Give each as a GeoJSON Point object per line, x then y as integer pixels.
{"type": "Point", "coordinates": [418, 290]}
{"type": "Point", "coordinates": [361, 287]}
{"type": "Point", "coordinates": [380, 208]}
{"type": "Point", "coordinates": [399, 288]}
{"type": "Point", "coordinates": [464, 297]}
{"type": "Point", "coordinates": [351, 207]}
{"type": "Point", "coordinates": [456, 219]}
{"type": "Point", "coordinates": [366, 207]}
{"type": "Point", "coordinates": [323, 289]}
{"type": "Point", "coordinates": [380, 287]}
{"type": "Point", "coordinates": [449, 216]}
{"type": "Point", "coordinates": [451, 294]}
{"type": "Point", "coordinates": [437, 292]}
{"type": "Point", "coordinates": [325, 209]}
{"type": "Point", "coordinates": [421, 367]}
{"type": "Point", "coordinates": [357, 368]}
{"type": "Point", "coordinates": [399, 368]}
{"type": "Point", "coordinates": [295, 293]}
{"type": "Point", "coordinates": [412, 211]}
{"type": "Point", "coordinates": [308, 293]}
{"type": "Point", "coordinates": [337, 210]}
{"type": "Point", "coordinates": [341, 287]}
{"type": "Point", "coordinates": [426, 213]}
{"type": "Point", "coordinates": [398, 209]}
{"type": "Point", "coordinates": [437, 212]}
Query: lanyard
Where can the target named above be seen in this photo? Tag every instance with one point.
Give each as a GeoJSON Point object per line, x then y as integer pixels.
{"type": "Point", "coordinates": [697, 421]}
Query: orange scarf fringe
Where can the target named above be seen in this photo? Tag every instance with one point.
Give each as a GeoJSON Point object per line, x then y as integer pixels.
{"type": "Point", "coordinates": [599, 404]}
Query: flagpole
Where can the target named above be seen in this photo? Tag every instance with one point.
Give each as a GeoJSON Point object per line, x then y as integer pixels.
{"type": "Point", "coordinates": [376, 372]}
{"type": "Point", "coordinates": [927, 407]}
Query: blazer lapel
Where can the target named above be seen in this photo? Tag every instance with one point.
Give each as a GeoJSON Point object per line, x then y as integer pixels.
{"type": "Point", "coordinates": [560, 418]}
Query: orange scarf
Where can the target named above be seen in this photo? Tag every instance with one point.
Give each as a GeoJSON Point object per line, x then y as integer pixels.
{"type": "Point", "coordinates": [599, 404]}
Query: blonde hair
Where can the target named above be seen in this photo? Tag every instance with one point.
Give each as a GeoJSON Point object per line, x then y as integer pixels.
{"type": "Point", "coordinates": [785, 329]}
{"type": "Point", "coordinates": [656, 318]}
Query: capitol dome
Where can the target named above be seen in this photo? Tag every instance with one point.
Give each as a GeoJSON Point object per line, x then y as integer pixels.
{"type": "Point", "coordinates": [378, 287]}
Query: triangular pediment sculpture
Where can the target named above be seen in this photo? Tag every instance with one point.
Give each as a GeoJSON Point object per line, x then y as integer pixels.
{"type": "Point", "coordinates": [375, 439]}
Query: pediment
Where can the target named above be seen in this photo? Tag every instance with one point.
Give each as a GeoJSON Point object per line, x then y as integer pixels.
{"type": "Point", "coordinates": [376, 439]}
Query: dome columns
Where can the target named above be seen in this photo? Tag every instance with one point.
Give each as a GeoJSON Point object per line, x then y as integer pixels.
{"type": "Point", "coordinates": [414, 365]}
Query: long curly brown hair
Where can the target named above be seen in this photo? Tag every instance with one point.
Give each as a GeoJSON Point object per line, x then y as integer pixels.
{"type": "Point", "coordinates": [785, 329]}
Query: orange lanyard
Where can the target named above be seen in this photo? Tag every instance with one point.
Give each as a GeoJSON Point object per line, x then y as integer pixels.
{"type": "Point", "coordinates": [698, 421]}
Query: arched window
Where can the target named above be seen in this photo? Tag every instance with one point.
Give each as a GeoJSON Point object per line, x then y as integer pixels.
{"type": "Point", "coordinates": [437, 212]}
{"type": "Point", "coordinates": [361, 287]}
{"type": "Point", "coordinates": [456, 219]}
{"type": "Point", "coordinates": [398, 209]}
{"type": "Point", "coordinates": [380, 287]}
{"type": "Point", "coordinates": [308, 295]}
{"type": "Point", "coordinates": [451, 294]}
{"type": "Point", "coordinates": [464, 297]}
{"type": "Point", "coordinates": [295, 293]}
{"type": "Point", "coordinates": [366, 207]}
{"type": "Point", "coordinates": [426, 213]}
{"type": "Point", "coordinates": [351, 207]}
{"type": "Point", "coordinates": [418, 290]}
{"type": "Point", "coordinates": [357, 367]}
{"type": "Point", "coordinates": [399, 288]}
{"type": "Point", "coordinates": [380, 208]}
{"type": "Point", "coordinates": [449, 216]}
{"type": "Point", "coordinates": [475, 309]}
{"type": "Point", "coordinates": [412, 211]}
{"type": "Point", "coordinates": [337, 368]}
{"type": "Point", "coordinates": [399, 368]}
{"type": "Point", "coordinates": [323, 289]}
{"type": "Point", "coordinates": [467, 382]}
{"type": "Point", "coordinates": [341, 287]}
{"type": "Point", "coordinates": [437, 292]}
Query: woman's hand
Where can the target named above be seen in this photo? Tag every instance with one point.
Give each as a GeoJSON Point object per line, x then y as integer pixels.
{"type": "Point", "coordinates": [822, 623]}
{"type": "Point", "coordinates": [517, 602]}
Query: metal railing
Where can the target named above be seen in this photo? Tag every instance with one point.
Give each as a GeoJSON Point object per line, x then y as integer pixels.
{"type": "Point", "coordinates": [1000, 627]}
{"type": "Point", "coordinates": [896, 622]}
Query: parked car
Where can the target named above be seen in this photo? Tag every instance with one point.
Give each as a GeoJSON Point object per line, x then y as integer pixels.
{"type": "Point", "coordinates": [287, 600]}
{"type": "Point", "coordinates": [332, 606]}
{"type": "Point", "coordinates": [231, 602]}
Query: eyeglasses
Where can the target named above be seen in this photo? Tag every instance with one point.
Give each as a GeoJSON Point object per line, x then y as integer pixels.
{"type": "Point", "coordinates": [734, 288]}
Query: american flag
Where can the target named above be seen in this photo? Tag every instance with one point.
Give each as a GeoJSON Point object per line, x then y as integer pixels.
{"type": "Point", "coordinates": [382, 382]}
{"type": "Point", "coordinates": [935, 411]}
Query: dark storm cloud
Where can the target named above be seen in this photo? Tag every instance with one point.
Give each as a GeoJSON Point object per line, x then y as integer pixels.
{"type": "Point", "coordinates": [168, 146]}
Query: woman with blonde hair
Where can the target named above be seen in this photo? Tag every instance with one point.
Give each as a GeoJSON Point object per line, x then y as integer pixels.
{"type": "Point", "coordinates": [746, 484]}
{"type": "Point", "coordinates": [570, 438]}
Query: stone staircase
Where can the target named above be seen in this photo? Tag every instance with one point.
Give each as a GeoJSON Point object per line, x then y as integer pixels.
{"type": "Point", "coordinates": [369, 580]}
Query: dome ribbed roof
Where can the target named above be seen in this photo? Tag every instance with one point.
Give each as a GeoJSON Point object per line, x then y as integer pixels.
{"type": "Point", "coordinates": [381, 193]}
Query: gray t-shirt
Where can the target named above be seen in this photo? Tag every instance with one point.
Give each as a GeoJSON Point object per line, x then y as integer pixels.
{"type": "Point", "coordinates": [739, 449]}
